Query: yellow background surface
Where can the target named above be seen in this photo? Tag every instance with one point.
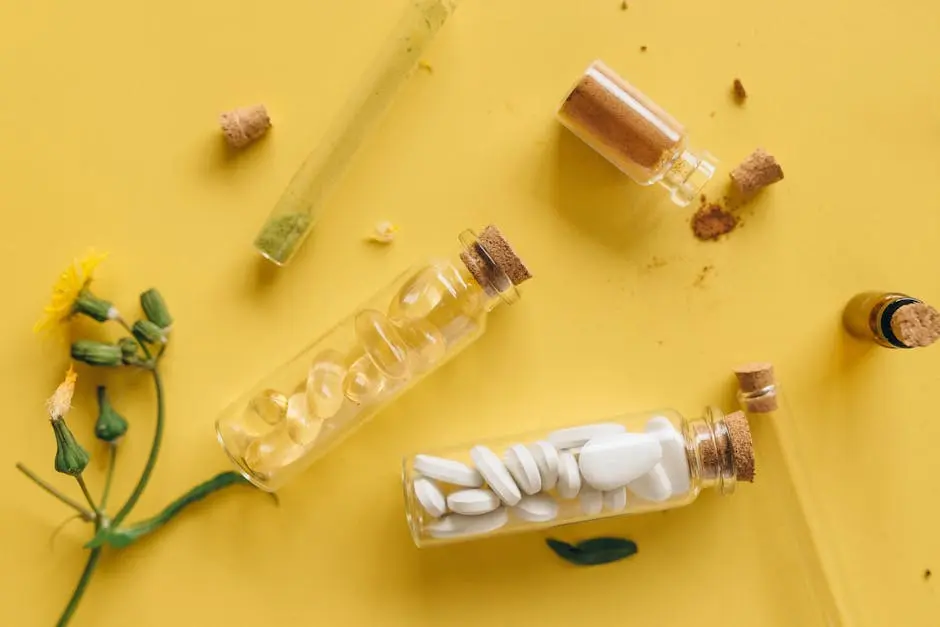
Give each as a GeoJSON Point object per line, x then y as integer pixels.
{"type": "Point", "coordinates": [108, 117]}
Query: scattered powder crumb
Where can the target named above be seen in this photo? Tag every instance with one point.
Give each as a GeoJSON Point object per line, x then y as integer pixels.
{"type": "Point", "coordinates": [927, 574]}
{"type": "Point", "coordinates": [711, 222]}
{"type": "Point", "coordinates": [755, 173]}
{"type": "Point", "coordinates": [244, 125]}
{"type": "Point", "coordinates": [424, 65]}
{"type": "Point", "coordinates": [624, 6]}
{"type": "Point", "coordinates": [660, 342]}
{"type": "Point", "coordinates": [712, 114]}
{"type": "Point", "coordinates": [704, 274]}
{"type": "Point", "coordinates": [383, 233]}
{"type": "Point", "coordinates": [740, 94]}
{"type": "Point", "coordinates": [656, 262]}
{"type": "Point", "coordinates": [643, 48]}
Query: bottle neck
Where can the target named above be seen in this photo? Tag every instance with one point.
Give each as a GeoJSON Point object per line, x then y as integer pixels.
{"type": "Point", "coordinates": [710, 453]}
{"type": "Point", "coordinates": [492, 278]}
{"type": "Point", "coordinates": [687, 175]}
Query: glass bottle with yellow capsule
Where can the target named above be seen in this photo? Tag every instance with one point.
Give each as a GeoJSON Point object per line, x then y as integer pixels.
{"type": "Point", "coordinates": [429, 314]}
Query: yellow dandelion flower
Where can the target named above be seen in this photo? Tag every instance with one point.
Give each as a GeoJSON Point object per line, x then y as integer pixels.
{"type": "Point", "coordinates": [60, 402]}
{"type": "Point", "coordinates": [67, 290]}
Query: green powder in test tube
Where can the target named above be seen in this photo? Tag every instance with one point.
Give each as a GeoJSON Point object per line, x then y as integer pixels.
{"type": "Point", "coordinates": [295, 213]}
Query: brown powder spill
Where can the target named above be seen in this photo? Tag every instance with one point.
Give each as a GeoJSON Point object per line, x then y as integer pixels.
{"type": "Point", "coordinates": [704, 274]}
{"type": "Point", "coordinates": [737, 89]}
{"type": "Point", "coordinates": [756, 172]}
{"type": "Point", "coordinates": [244, 125]}
{"type": "Point", "coordinates": [655, 263]}
{"type": "Point", "coordinates": [752, 378]}
{"type": "Point", "coordinates": [916, 325]}
{"type": "Point", "coordinates": [711, 222]}
{"type": "Point", "coordinates": [624, 6]}
{"type": "Point", "coordinates": [643, 48]}
{"type": "Point", "coordinates": [742, 446]}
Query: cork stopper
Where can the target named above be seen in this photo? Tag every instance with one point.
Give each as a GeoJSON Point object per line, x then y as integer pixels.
{"type": "Point", "coordinates": [756, 172]}
{"type": "Point", "coordinates": [493, 262]}
{"type": "Point", "coordinates": [753, 380]}
{"type": "Point", "coordinates": [741, 446]}
{"type": "Point", "coordinates": [916, 325]}
{"type": "Point", "coordinates": [244, 125]}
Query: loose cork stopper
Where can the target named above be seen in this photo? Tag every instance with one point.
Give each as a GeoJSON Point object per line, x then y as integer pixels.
{"type": "Point", "coordinates": [756, 172]}
{"type": "Point", "coordinates": [244, 125]}
{"type": "Point", "coordinates": [492, 261]}
{"type": "Point", "coordinates": [742, 446]}
{"type": "Point", "coordinates": [916, 325]}
{"type": "Point", "coordinates": [752, 378]}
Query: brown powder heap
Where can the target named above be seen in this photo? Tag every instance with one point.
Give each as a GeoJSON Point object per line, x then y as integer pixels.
{"type": "Point", "coordinates": [620, 122]}
{"type": "Point", "coordinates": [244, 125]}
{"type": "Point", "coordinates": [916, 325]}
{"type": "Point", "coordinates": [711, 222]}
{"type": "Point", "coordinates": [742, 446]}
{"type": "Point", "coordinates": [752, 378]}
{"type": "Point", "coordinates": [737, 89]}
{"type": "Point", "coordinates": [493, 262]}
{"type": "Point", "coordinates": [756, 172]}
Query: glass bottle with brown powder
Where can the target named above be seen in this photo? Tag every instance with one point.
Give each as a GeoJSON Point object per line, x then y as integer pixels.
{"type": "Point", "coordinates": [635, 134]}
{"type": "Point", "coordinates": [892, 320]}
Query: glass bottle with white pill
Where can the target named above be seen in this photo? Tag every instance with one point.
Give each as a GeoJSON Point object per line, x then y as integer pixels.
{"type": "Point", "coordinates": [630, 464]}
{"type": "Point", "coordinates": [426, 316]}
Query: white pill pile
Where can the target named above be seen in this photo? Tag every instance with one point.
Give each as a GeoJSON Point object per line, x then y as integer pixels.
{"type": "Point", "coordinates": [573, 473]}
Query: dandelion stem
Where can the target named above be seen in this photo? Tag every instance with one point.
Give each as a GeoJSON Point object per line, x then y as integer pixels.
{"type": "Point", "coordinates": [81, 482]}
{"type": "Point", "coordinates": [112, 457]}
{"type": "Point", "coordinates": [80, 587]}
{"type": "Point", "coordinates": [151, 461]}
{"type": "Point", "coordinates": [86, 515]}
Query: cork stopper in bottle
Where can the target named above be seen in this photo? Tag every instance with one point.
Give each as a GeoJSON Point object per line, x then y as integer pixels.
{"type": "Point", "coordinates": [740, 446]}
{"type": "Point", "coordinates": [244, 125]}
{"type": "Point", "coordinates": [916, 325]}
{"type": "Point", "coordinates": [493, 262]}
{"type": "Point", "coordinates": [754, 379]}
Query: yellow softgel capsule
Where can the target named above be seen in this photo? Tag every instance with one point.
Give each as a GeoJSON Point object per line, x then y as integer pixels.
{"type": "Point", "coordinates": [381, 341]}
{"type": "Point", "coordinates": [324, 387]}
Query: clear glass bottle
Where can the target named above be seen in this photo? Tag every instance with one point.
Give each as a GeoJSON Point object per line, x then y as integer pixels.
{"type": "Point", "coordinates": [891, 319]}
{"type": "Point", "coordinates": [429, 314]}
{"type": "Point", "coordinates": [635, 134]}
{"type": "Point", "coordinates": [629, 464]}
{"type": "Point", "coordinates": [293, 217]}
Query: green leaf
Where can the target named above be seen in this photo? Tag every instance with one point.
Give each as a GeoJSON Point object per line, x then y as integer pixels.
{"type": "Point", "coordinates": [594, 551]}
{"type": "Point", "coordinates": [124, 536]}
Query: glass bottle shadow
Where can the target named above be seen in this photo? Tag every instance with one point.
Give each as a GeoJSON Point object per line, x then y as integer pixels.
{"type": "Point", "coordinates": [599, 200]}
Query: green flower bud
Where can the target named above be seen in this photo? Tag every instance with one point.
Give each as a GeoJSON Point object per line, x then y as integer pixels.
{"type": "Point", "coordinates": [94, 307]}
{"type": "Point", "coordinates": [128, 346]}
{"type": "Point", "coordinates": [96, 353]}
{"type": "Point", "coordinates": [147, 331]}
{"type": "Point", "coordinates": [110, 425]}
{"type": "Point", "coordinates": [70, 457]}
{"type": "Point", "coordinates": [155, 309]}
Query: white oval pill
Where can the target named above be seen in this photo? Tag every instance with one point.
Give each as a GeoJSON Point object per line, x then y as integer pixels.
{"type": "Point", "coordinates": [448, 471]}
{"type": "Point", "coordinates": [578, 436]}
{"type": "Point", "coordinates": [522, 466]}
{"type": "Point", "coordinates": [613, 461]}
{"type": "Point", "coordinates": [569, 478]}
{"type": "Point", "coordinates": [430, 497]}
{"type": "Point", "coordinates": [616, 500]}
{"type": "Point", "coordinates": [541, 508]}
{"type": "Point", "coordinates": [473, 502]}
{"type": "Point", "coordinates": [674, 459]}
{"type": "Point", "coordinates": [495, 474]}
{"type": "Point", "coordinates": [546, 457]}
{"type": "Point", "coordinates": [459, 525]}
{"type": "Point", "coordinates": [653, 486]}
{"type": "Point", "coordinates": [592, 501]}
